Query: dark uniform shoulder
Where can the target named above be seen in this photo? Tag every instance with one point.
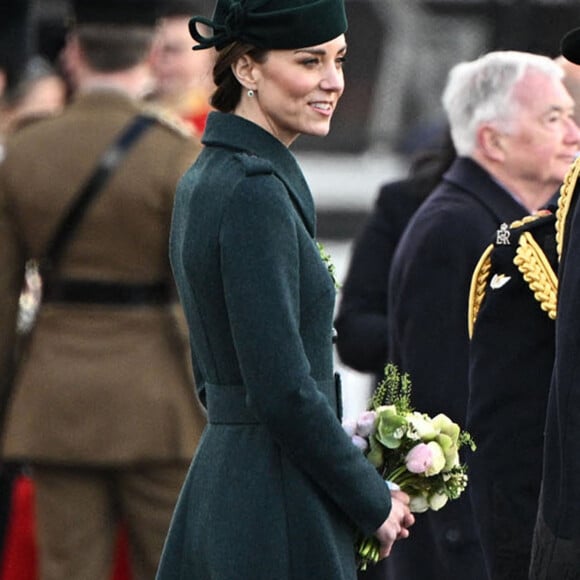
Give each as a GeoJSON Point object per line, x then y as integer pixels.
{"type": "Point", "coordinates": [530, 245]}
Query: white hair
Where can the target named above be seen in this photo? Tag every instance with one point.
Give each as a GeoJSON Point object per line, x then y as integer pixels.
{"type": "Point", "coordinates": [481, 91]}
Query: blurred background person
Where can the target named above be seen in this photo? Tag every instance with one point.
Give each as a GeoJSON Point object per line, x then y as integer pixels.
{"type": "Point", "coordinates": [511, 120]}
{"type": "Point", "coordinates": [15, 49]}
{"type": "Point", "coordinates": [361, 322]}
{"type": "Point", "coordinates": [40, 91]}
{"type": "Point", "coordinates": [182, 77]}
{"type": "Point", "coordinates": [103, 409]}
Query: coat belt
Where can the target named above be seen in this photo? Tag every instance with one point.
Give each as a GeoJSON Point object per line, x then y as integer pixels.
{"type": "Point", "coordinates": [228, 404]}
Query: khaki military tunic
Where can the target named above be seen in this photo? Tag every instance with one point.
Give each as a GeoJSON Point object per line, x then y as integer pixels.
{"type": "Point", "coordinates": [102, 384]}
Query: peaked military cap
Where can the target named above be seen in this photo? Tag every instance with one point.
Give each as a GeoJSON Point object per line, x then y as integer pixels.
{"type": "Point", "coordinates": [570, 46]}
{"type": "Point", "coordinates": [15, 38]}
{"type": "Point", "coordinates": [185, 7]}
{"type": "Point", "coordinates": [128, 12]}
{"type": "Point", "coordinates": [272, 24]}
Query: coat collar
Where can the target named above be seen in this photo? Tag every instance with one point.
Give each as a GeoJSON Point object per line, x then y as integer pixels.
{"type": "Point", "coordinates": [468, 175]}
{"type": "Point", "coordinates": [234, 132]}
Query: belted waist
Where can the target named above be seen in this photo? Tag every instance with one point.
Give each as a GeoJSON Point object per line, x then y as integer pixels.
{"type": "Point", "coordinates": [228, 404]}
{"type": "Point", "coordinates": [109, 293]}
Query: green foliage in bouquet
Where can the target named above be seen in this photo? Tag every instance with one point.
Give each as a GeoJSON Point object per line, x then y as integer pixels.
{"type": "Point", "coordinates": [327, 259]}
{"type": "Point", "coordinates": [418, 453]}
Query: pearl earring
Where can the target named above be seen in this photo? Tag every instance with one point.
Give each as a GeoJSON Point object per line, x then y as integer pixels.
{"type": "Point", "coordinates": [250, 93]}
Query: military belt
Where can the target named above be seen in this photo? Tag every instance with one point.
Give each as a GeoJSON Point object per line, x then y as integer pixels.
{"type": "Point", "coordinates": [106, 293]}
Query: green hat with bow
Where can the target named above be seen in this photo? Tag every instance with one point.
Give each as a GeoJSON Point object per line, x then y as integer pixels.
{"type": "Point", "coordinates": [271, 24]}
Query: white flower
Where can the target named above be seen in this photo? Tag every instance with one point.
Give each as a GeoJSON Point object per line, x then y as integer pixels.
{"type": "Point", "coordinates": [445, 425]}
{"type": "Point", "coordinates": [420, 427]}
{"type": "Point", "coordinates": [437, 501]}
{"type": "Point", "coordinates": [418, 504]}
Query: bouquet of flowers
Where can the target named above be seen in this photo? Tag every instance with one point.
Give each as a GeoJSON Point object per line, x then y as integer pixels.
{"type": "Point", "coordinates": [411, 451]}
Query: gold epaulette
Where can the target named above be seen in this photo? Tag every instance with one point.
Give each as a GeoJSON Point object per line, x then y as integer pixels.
{"type": "Point", "coordinates": [564, 201]}
{"type": "Point", "coordinates": [477, 288]}
{"type": "Point", "coordinates": [538, 273]}
{"type": "Point", "coordinates": [529, 218]}
{"type": "Point", "coordinates": [530, 261]}
{"type": "Point", "coordinates": [168, 119]}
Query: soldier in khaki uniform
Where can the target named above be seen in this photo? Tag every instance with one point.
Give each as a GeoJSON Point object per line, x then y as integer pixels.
{"type": "Point", "coordinates": [104, 407]}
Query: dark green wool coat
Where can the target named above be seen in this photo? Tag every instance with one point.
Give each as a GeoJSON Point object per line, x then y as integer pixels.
{"type": "Point", "coordinates": [276, 490]}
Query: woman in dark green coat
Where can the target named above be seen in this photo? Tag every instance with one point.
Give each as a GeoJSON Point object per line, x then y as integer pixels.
{"type": "Point", "coordinates": [276, 490]}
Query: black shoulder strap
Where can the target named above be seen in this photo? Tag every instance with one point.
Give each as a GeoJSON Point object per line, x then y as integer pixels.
{"type": "Point", "coordinates": [107, 164]}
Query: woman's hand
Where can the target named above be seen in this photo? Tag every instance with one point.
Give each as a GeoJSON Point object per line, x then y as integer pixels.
{"type": "Point", "coordinates": [395, 527]}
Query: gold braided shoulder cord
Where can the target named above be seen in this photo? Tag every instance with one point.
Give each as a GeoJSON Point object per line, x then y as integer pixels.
{"type": "Point", "coordinates": [477, 288]}
{"type": "Point", "coordinates": [530, 218]}
{"type": "Point", "coordinates": [538, 273]}
{"type": "Point", "coordinates": [564, 201]}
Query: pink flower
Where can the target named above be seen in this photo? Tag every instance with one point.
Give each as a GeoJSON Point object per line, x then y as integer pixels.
{"type": "Point", "coordinates": [360, 442]}
{"type": "Point", "coordinates": [349, 426]}
{"type": "Point", "coordinates": [419, 459]}
{"type": "Point", "coordinates": [365, 424]}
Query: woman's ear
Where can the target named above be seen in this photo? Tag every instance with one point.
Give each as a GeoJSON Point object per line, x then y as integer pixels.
{"type": "Point", "coordinates": [246, 71]}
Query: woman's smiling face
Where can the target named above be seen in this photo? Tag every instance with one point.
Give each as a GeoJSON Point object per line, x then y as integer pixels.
{"type": "Point", "coordinates": [295, 91]}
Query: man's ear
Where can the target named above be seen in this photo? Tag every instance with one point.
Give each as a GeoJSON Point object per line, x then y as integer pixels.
{"type": "Point", "coordinates": [246, 71]}
{"type": "Point", "coordinates": [490, 142]}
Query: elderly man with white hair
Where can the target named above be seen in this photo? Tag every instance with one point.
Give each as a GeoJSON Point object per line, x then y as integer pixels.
{"type": "Point", "coordinates": [512, 125]}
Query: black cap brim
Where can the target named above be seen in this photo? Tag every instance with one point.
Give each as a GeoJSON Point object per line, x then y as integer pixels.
{"type": "Point", "coordinates": [120, 12]}
{"type": "Point", "coordinates": [570, 46]}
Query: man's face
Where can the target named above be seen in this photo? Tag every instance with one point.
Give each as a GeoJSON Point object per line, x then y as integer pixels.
{"type": "Point", "coordinates": [544, 139]}
{"type": "Point", "coordinates": [175, 66]}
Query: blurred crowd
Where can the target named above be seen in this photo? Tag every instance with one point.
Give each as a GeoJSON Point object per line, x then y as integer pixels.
{"type": "Point", "coordinates": [35, 79]}
{"type": "Point", "coordinates": [454, 276]}
{"type": "Point", "coordinates": [113, 88]}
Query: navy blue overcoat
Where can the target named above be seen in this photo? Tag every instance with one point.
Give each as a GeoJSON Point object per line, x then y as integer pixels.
{"type": "Point", "coordinates": [428, 292]}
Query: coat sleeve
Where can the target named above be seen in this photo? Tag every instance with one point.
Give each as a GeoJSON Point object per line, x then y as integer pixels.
{"type": "Point", "coordinates": [261, 273]}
